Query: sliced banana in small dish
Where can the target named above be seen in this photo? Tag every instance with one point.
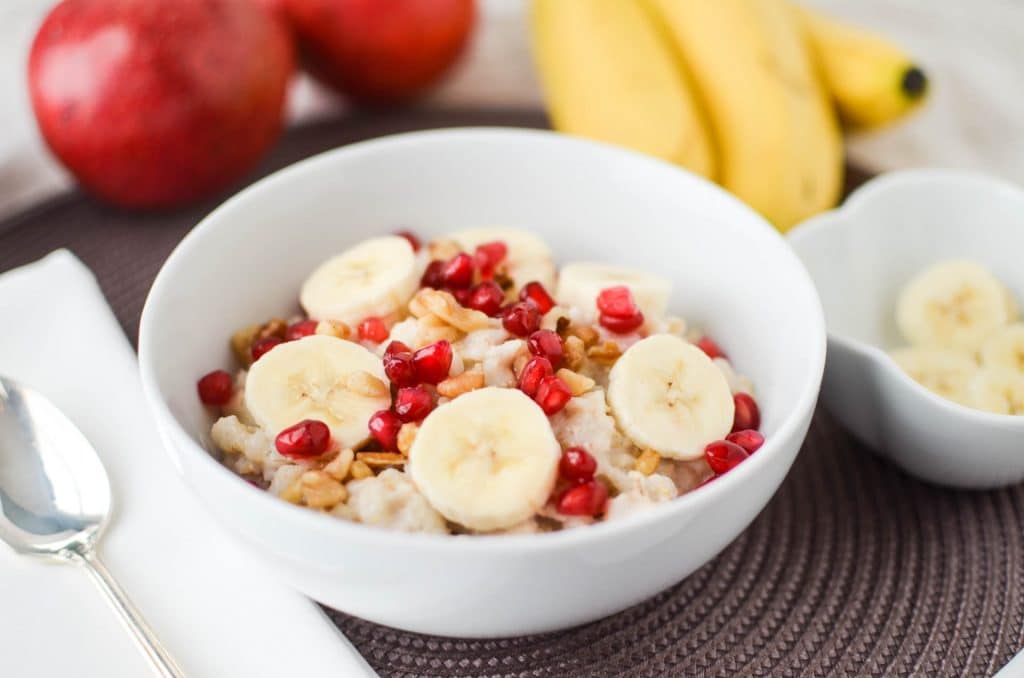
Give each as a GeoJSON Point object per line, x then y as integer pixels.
{"type": "Point", "coordinates": [953, 304]}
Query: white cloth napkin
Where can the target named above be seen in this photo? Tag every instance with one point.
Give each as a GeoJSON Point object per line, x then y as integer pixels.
{"type": "Point", "coordinates": [219, 614]}
{"type": "Point", "coordinates": [970, 49]}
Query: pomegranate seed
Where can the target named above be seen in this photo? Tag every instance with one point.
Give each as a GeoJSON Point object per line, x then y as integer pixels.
{"type": "Point", "coordinates": [487, 298]}
{"type": "Point", "coordinates": [535, 292]}
{"type": "Point", "coordinates": [384, 427]}
{"type": "Point", "coordinates": [215, 388]}
{"type": "Point", "coordinates": [488, 256]}
{"type": "Point", "coordinates": [712, 349]}
{"type": "Point", "coordinates": [373, 329]}
{"type": "Point", "coordinates": [535, 369]}
{"type": "Point", "coordinates": [433, 275]}
{"type": "Point", "coordinates": [750, 441]}
{"type": "Point", "coordinates": [723, 456]}
{"type": "Point", "coordinates": [412, 238]}
{"type": "Point", "coordinates": [303, 328]}
{"type": "Point", "coordinates": [547, 344]}
{"type": "Point", "coordinates": [463, 295]}
{"type": "Point", "coordinates": [617, 302]}
{"type": "Point", "coordinates": [522, 319]}
{"type": "Point", "coordinates": [308, 438]}
{"type": "Point", "coordinates": [458, 272]}
{"type": "Point", "coordinates": [433, 362]}
{"type": "Point", "coordinates": [587, 499]}
{"type": "Point", "coordinates": [413, 403]}
{"type": "Point", "coordinates": [552, 394]}
{"type": "Point", "coordinates": [619, 325]}
{"type": "Point", "coordinates": [748, 416]}
{"type": "Point", "coordinates": [577, 465]}
{"type": "Point", "coordinates": [261, 346]}
{"type": "Point", "coordinates": [398, 364]}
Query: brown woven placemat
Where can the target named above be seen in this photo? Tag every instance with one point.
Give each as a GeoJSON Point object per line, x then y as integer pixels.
{"type": "Point", "coordinates": [852, 569]}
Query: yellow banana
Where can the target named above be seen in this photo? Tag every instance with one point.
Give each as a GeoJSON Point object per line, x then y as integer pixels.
{"type": "Point", "coordinates": [871, 80]}
{"type": "Point", "coordinates": [778, 140]}
{"type": "Point", "coordinates": [609, 74]}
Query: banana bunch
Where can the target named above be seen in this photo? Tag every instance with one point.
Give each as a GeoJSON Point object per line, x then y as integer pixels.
{"type": "Point", "coordinates": [964, 342]}
{"type": "Point", "coordinates": [749, 93]}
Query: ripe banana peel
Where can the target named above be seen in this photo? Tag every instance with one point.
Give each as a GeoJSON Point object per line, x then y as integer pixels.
{"type": "Point", "coordinates": [608, 73]}
{"type": "Point", "coordinates": [872, 81]}
{"type": "Point", "coordinates": [776, 132]}
{"type": "Point", "coordinates": [744, 92]}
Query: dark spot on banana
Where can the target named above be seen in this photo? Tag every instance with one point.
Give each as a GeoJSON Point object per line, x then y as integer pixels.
{"type": "Point", "coordinates": [914, 82]}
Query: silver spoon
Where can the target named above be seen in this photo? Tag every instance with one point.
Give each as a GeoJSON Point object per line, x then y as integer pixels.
{"type": "Point", "coordinates": [55, 500]}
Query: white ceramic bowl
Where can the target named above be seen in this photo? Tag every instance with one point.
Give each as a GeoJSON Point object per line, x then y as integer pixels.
{"type": "Point", "coordinates": [860, 256]}
{"type": "Point", "coordinates": [733, 275]}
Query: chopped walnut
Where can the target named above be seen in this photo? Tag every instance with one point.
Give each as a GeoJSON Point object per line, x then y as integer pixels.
{"type": "Point", "coordinates": [588, 335]}
{"type": "Point", "coordinates": [275, 327]}
{"type": "Point", "coordinates": [321, 491]}
{"type": "Point", "coordinates": [360, 470]}
{"type": "Point", "coordinates": [647, 462]}
{"type": "Point", "coordinates": [406, 436]}
{"type": "Point", "coordinates": [574, 352]}
{"type": "Point", "coordinates": [334, 328]}
{"type": "Point", "coordinates": [339, 467]}
{"type": "Point", "coordinates": [578, 384]}
{"type": "Point", "coordinates": [241, 343]}
{"type": "Point", "coordinates": [444, 306]}
{"type": "Point", "coordinates": [365, 384]}
{"type": "Point", "coordinates": [453, 387]}
{"type": "Point", "coordinates": [380, 458]}
{"type": "Point", "coordinates": [606, 352]}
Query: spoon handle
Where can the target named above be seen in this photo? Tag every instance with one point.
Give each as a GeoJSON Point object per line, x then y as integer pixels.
{"type": "Point", "coordinates": [157, 654]}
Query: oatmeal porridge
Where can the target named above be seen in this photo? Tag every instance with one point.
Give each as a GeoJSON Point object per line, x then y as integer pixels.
{"type": "Point", "coordinates": [468, 386]}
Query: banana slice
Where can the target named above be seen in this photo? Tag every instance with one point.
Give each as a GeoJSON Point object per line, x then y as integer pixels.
{"type": "Point", "coordinates": [953, 304]}
{"type": "Point", "coordinates": [668, 396]}
{"type": "Point", "coordinates": [941, 370]}
{"type": "Point", "coordinates": [377, 277]}
{"type": "Point", "coordinates": [487, 460]}
{"type": "Point", "coordinates": [318, 377]}
{"type": "Point", "coordinates": [580, 283]}
{"type": "Point", "coordinates": [529, 258]}
{"type": "Point", "coordinates": [1005, 348]}
{"type": "Point", "coordinates": [997, 389]}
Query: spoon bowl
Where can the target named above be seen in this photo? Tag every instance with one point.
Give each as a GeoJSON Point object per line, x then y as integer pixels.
{"type": "Point", "coordinates": [860, 256]}
{"type": "Point", "coordinates": [55, 500]}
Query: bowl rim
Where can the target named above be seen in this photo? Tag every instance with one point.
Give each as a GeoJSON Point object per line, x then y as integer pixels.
{"type": "Point", "coordinates": [845, 216]}
{"type": "Point", "coordinates": [800, 409]}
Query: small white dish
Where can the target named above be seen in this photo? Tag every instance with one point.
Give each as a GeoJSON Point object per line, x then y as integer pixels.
{"type": "Point", "coordinates": [733, 275]}
{"type": "Point", "coordinates": [860, 256]}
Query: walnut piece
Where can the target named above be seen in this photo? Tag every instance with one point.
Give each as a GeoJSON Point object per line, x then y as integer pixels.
{"type": "Point", "coordinates": [453, 387]}
{"type": "Point", "coordinates": [406, 436]}
{"type": "Point", "coordinates": [360, 470]}
{"type": "Point", "coordinates": [577, 383]}
{"type": "Point", "coordinates": [443, 249]}
{"type": "Point", "coordinates": [443, 305]}
{"type": "Point", "coordinates": [241, 343]}
{"type": "Point", "coordinates": [647, 462]}
{"type": "Point", "coordinates": [321, 491]}
{"type": "Point", "coordinates": [605, 353]}
{"type": "Point", "coordinates": [588, 335]}
{"type": "Point", "coordinates": [380, 458]}
{"type": "Point", "coordinates": [339, 467]}
{"type": "Point", "coordinates": [275, 327]}
{"type": "Point", "coordinates": [575, 352]}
